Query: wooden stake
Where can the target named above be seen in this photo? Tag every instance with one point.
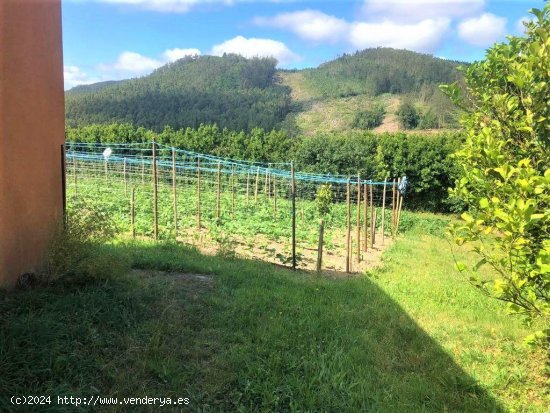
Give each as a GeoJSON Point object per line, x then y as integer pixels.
{"type": "Point", "coordinates": [320, 245]}
{"type": "Point", "coordinates": [366, 217]}
{"type": "Point", "coordinates": [266, 184]}
{"type": "Point", "coordinates": [393, 206]}
{"type": "Point", "coordinates": [293, 196]}
{"type": "Point", "coordinates": [399, 211]}
{"type": "Point", "coordinates": [247, 188]}
{"type": "Point", "coordinates": [124, 176]}
{"type": "Point", "coordinates": [74, 176]}
{"type": "Point", "coordinates": [383, 210]}
{"type": "Point", "coordinates": [275, 194]}
{"type": "Point", "coordinates": [175, 191]}
{"type": "Point", "coordinates": [348, 228]}
{"type": "Point", "coordinates": [143, 171]}
{"type": "Point", "coordinates": [132, 212]}
{"type": "Point", "coordinates": [233, 191]}
{"type": "Point", "coordinates": [371, 217]}
{"type": "Point", "coordinates": [155, 194]}
{"type": "Point", "coordinates": [374, 225]}
{"type": "Point", "coordinates": [219, 191]}
{"type": "Point", "coordinates": [358, 224]}
{"type": "Point", "coordinates": [257, 183]}
{"type": "Point", "coordinates": [199, 223]}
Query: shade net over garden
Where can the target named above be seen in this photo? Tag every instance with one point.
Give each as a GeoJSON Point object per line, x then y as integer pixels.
{"type": "Point", "coordinates": [233, 207]}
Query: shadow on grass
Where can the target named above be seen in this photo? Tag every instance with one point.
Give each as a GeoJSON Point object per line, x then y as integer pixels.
{"type": "Point", "coordinates": [254, 338]}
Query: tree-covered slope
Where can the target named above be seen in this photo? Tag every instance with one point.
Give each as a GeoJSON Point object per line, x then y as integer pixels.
{"type": "Point", "coordinates": [240, 94]}
{"type": "Point", "coordinates": [381, 70]}
{"type": "Point", "coordinates": [230, 91]}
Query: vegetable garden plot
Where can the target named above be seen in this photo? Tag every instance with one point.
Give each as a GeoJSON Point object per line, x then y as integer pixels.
{"type": "Point", "coordinates": [233, 206]}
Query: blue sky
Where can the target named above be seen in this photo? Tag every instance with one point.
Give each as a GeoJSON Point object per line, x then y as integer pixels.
{"type": "Point", "coordinates": [118, 39]}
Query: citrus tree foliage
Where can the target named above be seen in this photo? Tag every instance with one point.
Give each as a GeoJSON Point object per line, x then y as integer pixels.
{"type": "Point", "coordinates": [505, 179]}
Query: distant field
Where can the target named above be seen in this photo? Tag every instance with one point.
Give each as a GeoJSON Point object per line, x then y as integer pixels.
{"type": "Point", "coordinates": [247, 336]}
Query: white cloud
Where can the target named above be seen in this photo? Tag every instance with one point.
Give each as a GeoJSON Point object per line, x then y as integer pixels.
{"type": "Point", "coordinates": [133, 62]}
{"type": "Point", "coordinates": [413, 11]}
{"type": "Point", "coordinates": [172, 55]}
{"type": "Point", "coordinates": [483, 30]}
{"type": "Point", "coordinates": [308, 24]}
{"type": "Point", "coordinates": [166, 6]}
{"type": "Point", "coordinates": [254, 47]}
{"type": "Point", "coordinates": [424, 36]}
{"type": "Point", "coordinates": [75, 76]}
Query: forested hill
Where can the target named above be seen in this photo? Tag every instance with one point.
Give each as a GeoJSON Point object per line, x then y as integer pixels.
{"type": "Point", "coordinates": [381, 70]}
{"type": "Point", "coordinates": [231, 91]}
{"type": "Point", "coordinates": [94, 87]}
{"type": "Point", "coordinates": [240, 94]}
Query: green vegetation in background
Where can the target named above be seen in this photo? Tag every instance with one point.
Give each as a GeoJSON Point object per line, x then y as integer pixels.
{"type": "Point", "coordinates": [425, 159]}
{"type": "Point", "coordinates": [242, 94]}
{"type": "Point", "coordinates": [380, 70]}
{"type": "Point", "coordinates": [503, 171]}
{"type": "Point", "coordinates": [254, 337]}
{"type": "Point", "coordinates": [231, 91]}
{"type": "Point", "coordinates": [369, 118]}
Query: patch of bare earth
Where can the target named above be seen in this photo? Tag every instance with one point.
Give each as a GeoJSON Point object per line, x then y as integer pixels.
{"type": "Point", "coordinates": [390, 122]}
{"type": "Point", "coordinates": [262, 248]}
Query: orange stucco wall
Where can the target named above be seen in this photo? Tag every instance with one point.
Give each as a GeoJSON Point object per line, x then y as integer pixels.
{"type": "Point", "coordinates": [31, 132]}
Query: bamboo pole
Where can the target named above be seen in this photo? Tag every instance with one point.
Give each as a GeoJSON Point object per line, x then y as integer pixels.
{"type": "Point", "coordinates": [383, 210]}
{"type": "Point", "coordinates": [199, 223]}
{"type": "Point", "coordinates": [143, 171]}
{"type": "Point", "coordinates": [371, 217]}
{"type": "Point", "coordinates": [219, 191]}
{"type": "Point", "coordinates": [175, 191]}
{"type": "Point", "coordinates": [348, 228]}
{"type": "Point", "coordinates": [155, 194]}
{"type": "Point", "coordinates": [132, 212]}
{"type": "Point", "coordinates": [293, 196]}
{"type": "Point", "coordinates": [358, 224]}
{"type": "Point", "coordinates": [366, 217]}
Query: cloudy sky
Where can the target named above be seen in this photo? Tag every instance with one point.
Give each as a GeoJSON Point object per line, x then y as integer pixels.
{"type": "Point", "coordinates": [118, 39]}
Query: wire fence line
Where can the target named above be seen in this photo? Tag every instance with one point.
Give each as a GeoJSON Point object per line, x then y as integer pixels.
{"type": "Point", "coordinates": [253, 209]}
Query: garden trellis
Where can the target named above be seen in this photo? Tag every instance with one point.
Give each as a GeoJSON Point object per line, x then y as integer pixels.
{"type": "Point", "coordinates": [253, 209]}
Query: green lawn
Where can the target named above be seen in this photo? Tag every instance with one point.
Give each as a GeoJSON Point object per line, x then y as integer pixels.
{"type": "Point", "coordinates": [414, 336]}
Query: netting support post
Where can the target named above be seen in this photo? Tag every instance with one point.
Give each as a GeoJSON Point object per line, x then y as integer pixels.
{"type": "Point", "coordinates": [358, 224]}
{"type": "Point", "coordinates": [372, 224]}
{"type": "Point", "coordinates": [348, 228]}
{"type": "Point", "coordinates": [133, 212]}
{"type": "Point", "coordinates": [383, 210]}
{"type": "Point", "coordinates": [175, 192]}
{"type": "Point", "coordinates": [155, 194]}
{"type": "Point", "coordinates": [293, 197]}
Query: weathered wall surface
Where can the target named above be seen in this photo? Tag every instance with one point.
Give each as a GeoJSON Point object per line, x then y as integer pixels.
{"type": "Point", "coordinates": [31, 132]}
